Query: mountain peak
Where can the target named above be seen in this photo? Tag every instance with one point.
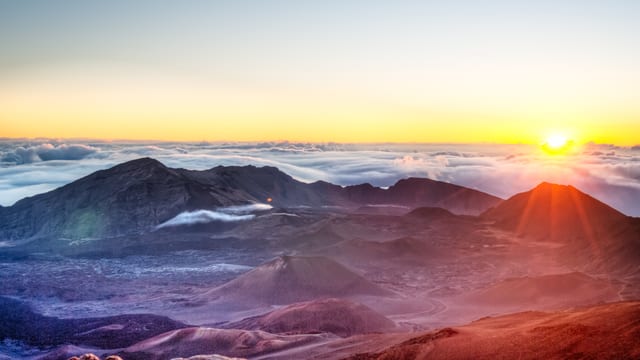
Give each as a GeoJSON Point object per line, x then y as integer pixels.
{"type": "Point", "coordinates": [414, 181]}
{"type": "Point", "coordinates": [142, 162]}
{"type": "Point", "coordinates": [547, 186]}
{"type": "Point", "coordinates": [144, 165]}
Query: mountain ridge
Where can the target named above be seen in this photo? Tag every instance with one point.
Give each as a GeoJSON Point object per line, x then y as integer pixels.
{"type": "Point", "coordinates": [134, 197]}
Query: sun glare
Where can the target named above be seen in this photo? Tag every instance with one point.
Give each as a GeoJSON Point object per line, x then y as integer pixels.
{"type": "Point", "coordinates": [557, 144]}
{"type": "Point", "coordinates": [556, 141]}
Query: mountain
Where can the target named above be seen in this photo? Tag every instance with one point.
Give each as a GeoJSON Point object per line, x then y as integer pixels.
{"type": "Point", "coordinates": [134, 197]}
{"type": "Point", "coordinates": [608, 331]}
{"type": "Point", "coordinates": [290, 279]}
{"type": "Point", "coordinates": [128, 197]}
{"type": "Point", "coordinates": [556, 213]}
{"type": "Point", "coordinates": [341, 317]}
{"type": "Point", "coordinates": [419, 192]}
{"type": "Point", "coordinates": [566, 216]}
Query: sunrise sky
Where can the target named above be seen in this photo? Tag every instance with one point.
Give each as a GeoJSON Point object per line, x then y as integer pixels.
{"type": "Point", "coordinates": [343, 71]}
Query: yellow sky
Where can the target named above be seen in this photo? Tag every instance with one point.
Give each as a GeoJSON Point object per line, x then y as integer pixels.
{"type": "Point", "coordinates": [341, 71]}
{"type": "Point", "coordinates": [139, 106]}
{"type": "Point", "coordinates": [102, 102]}
{"type": "Point", "coordinates": [194, 114]}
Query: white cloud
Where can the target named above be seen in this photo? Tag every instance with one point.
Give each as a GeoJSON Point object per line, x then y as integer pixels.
{"type": "Point", "coordinates": [224, 214]}
{"type": "Point", "coordinates": [46, 152]}
{"type": "Point", "coordinates": [245, 209]}
{"type": "Point", "coordinates": [202, 217]}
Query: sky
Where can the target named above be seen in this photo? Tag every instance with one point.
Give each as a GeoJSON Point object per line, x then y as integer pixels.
{"type": "Point", "coordinates": [607, 172]}
{"type": "Point", "coordinates": [321, 71]}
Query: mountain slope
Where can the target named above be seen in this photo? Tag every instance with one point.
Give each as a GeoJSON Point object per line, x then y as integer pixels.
{"type": "Point", "coordinates": [200, 341]}
{"type": "Point", "coordinates": [608, 331]}
{"type": "Point", "coordinates": [554, 291]}
{"type": "Point", "coordinates": [337, 316]}
{"type": "Point", "coordinates": [134, 197]}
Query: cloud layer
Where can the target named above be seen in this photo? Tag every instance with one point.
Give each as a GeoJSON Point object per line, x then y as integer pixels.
{"type": "Point", "coordinates": [609, 173]}
{"type": "Point", "coordinates": [46, 152]}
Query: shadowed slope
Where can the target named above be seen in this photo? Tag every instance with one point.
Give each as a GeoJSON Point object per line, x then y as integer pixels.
{"type": "Point", "coordinates": [19, 322]}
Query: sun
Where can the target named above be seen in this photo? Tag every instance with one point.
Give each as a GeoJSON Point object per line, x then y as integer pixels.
{"type": "Point", "coordinates": [557, 141]}
{"type": "Point", "coordinates": [557, 144]}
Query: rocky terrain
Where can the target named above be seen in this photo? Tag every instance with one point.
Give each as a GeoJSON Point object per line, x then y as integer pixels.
{"type": "Point", "coordinates": [150, 262]}
{"type": "Point", "coordinates": [600, 332]}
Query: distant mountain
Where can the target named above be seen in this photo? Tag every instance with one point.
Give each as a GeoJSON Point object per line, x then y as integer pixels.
{"type": "Point", "coordinates": [420, 192]}
{"type": "Point", "coordinates": [337, 316]}
{"type": "Point", "coordinates": [290, 279]}
{"type": "Point", "coordinates": [136, 196]}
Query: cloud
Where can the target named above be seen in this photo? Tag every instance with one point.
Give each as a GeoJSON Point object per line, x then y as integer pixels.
{"type": "Point", "coordinates": [245, 209]}
{"type": "Point", "coordinates": [607, 172]}
{"type": "Point", "coordinates": [47, 152]}
{"type": "Point", "coordinates": [225, 214]}
{"type": "Point", "coordinates": [202, 217]}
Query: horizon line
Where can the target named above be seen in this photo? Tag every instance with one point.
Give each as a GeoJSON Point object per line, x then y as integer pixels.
{"type": "Point", "coordinates": [133, 140]}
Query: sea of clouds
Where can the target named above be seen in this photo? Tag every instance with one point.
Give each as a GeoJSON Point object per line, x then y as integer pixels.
{"type": "Point", "coordinates": [607, 172]}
